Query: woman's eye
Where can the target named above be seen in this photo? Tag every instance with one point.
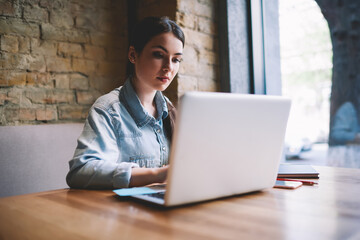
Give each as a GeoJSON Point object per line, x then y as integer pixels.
{"type": "Point", "coordinates": [157, 54]}
{"type": "Point", "coordinates": [177, 60]}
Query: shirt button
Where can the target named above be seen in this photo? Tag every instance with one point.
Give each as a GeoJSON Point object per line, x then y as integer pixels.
{"type": "Point", "coordinates": [158, 131]}
{"type": "Point", "coordinates": [164, 148]}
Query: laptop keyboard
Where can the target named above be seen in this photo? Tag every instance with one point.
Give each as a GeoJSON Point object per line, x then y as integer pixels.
{"type": "Point", "coordinates": [160, 195]}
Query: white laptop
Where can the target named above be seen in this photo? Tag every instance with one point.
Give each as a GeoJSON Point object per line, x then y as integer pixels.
{"type": "Point", "coordinates": [224, 144]}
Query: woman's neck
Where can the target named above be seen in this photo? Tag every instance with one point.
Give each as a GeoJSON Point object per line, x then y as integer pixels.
{"type": "Point", "coordinates": [146, 97]}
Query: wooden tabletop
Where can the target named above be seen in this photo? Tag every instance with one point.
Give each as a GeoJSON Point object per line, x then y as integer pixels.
{"type": "Point", "coordinates": [329, 210]}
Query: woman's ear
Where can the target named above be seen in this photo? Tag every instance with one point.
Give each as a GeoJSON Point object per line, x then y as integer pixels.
{"type": "Point", "coordinates": [132, 54]}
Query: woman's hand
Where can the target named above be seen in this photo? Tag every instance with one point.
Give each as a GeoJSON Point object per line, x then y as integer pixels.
{"type": "Point", "coordinates": [145, 176]}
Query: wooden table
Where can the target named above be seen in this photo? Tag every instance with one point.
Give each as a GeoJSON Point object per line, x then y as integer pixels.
{"type": "Point", "coordinates": [330, 210]}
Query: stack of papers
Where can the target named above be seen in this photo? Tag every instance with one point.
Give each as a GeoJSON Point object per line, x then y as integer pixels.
{"type": "Point", "coordinates": [297, 171]}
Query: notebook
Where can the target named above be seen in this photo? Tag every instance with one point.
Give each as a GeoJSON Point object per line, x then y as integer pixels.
{"type": "Point", "coordinates": [297, 171]}
{"type": "Point", "coordinates": [224, 144]}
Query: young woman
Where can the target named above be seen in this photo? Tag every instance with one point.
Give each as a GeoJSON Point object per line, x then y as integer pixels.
{"type": "Point", "coordinates": [126, 137]}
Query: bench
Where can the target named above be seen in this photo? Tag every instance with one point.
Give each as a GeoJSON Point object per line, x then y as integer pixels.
{"type": "Point", "coordinates": [34, 158]}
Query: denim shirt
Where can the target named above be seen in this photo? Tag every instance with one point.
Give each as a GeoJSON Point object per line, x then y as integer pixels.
{"type": "Point", "coordinates": [119, 134]}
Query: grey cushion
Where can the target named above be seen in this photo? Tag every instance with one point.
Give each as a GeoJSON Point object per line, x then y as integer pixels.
{"type": "Point", "coordinates": [35, 158]}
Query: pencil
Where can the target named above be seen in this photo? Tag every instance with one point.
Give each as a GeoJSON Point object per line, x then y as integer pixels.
{"type": "Point", "coordinates": [296, 180]}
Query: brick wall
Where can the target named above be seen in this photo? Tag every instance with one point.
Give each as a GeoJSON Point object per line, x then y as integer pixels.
{"type": "Point", "coordinates": [58, 56]}
{"type": "Point", "coordinates": [200, 69]}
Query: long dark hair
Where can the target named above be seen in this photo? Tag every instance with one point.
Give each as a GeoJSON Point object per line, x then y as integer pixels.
{"type": "Point", "coordinates": [148, 28]}
{"type": "Point", "coordinates": [143, 32]}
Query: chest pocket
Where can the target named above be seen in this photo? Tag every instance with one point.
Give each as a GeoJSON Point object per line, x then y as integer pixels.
{"type": "Point", "coordinates": [144, 161]}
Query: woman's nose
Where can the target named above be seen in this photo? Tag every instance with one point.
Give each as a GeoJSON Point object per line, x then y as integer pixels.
{"type": "Point", "coordinates": [167, 66]}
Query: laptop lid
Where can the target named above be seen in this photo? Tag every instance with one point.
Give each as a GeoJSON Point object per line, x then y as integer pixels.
{"type": "Point", "coordinates": [225, 144]}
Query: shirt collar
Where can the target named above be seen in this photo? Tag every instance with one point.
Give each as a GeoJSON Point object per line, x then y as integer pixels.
{"type": "Point", "coordinates": [132, 103]}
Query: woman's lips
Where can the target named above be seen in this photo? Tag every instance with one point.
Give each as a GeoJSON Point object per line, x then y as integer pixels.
{"type": "Point", "coordinates": [163, 79]}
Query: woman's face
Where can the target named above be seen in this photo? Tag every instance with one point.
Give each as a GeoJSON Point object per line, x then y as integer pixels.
{"type": "Point", "coordinates": [158, 63]}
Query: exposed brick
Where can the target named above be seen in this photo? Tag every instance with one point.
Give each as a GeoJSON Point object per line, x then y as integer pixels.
{"type": "Point", "coordinates": [79, 82]}
{"type": "Point", "coordinates": [107, 40]}
{"type": "Point", "coordinates": [207, 84]}
{"type": "Point", "coordinates": [15, 96]}
{"type": "Point", "coordinates": [35, 63]}
{"type": "Point", "coordinates": [72, 112]}
{"type": "Point", "coordinates": [47, 113]}
{"type": "Point", "coordinates": [49, 32]}
{"type": "Point", "coordinates": [17, 79]}
{"type": "Point", "coordinates": [209, 71]}
{"type": "Point", "coordinates": [187, 6]}
{"type": "Point", "coordinates": [9, 43]}
{"type": "Point", "coordinates": [26, 114]}
{"type": "Point", "coordinates": [43, 47]}
{"type": "Point", "coordinates": [51, 4]}
{"type": "Point", "coordinates": [86, 22]}
{"type": "Point", "coordinates": [50, 96]}
{"type": "Point", "coordinates": [110, 69]}
{"type": "Point", "coordinates": [12, 113]}
{"type": "Point", "coordinates": [190, 66]}
{"type": "Point", "coordinates": [3, 98]}
{"type": "Point", "coordinates": [3, 78]}
{"type": "Point", "coordinates": [11, 61]}
{"type": "Point", "coordinates": [199, 40]}
{"type": "Point", "coordinates": [94, 52]}
{"type": "Point", "coordinates": [85, 97]}
{"type": "Point", "coordinates": [57, 64]}
{"type": "Point", "coordinates": [109, 4]}
{"type": "Point", "coordinates": [50, 58]}
{"type": "Point", "coordinates": [43, 79]}
{"type": "Point", "coordinates": [84, 66]}
{"type": "Point", "coordinates": [77, 36]}
{"type": "Point", "coordinates": [108, 21]}
{"type": "Point", "coordinates": [207, 26]}
{"type": "Point", "coordinates": [70, 50]}
{"type": "Point", "coordinates": [99, 38]}
{"type": "Point", "coordinates": [24, 44]}
{"type": "Point", "coordinates": [62, 81]}
{"type": "Point", "coordinates": [10, 26]}
{"type": "Point", "coordinates": [203, 9]}
{"type": "Point", "coordinates": [32, 2]}
{"type": "Point", "coordinates": [60, 18]}
{"type": "Point", "coordinates": [60, 97]}
{"type": "Point", "coordinates": [31, 78]}
{"type": "Point", "coordinates": [36, 95]}
{"type": "Point", "coordinates": [35, 13]}
{"type": "Point", "coordinates": [116, 54]}
{"type": "Point", "coordinates": [38, 79]}
{"type": "Point", "coordinates": [7, 8]}
{"type": "Point", "coordinates": [208, 57]}
{"type": "Point", "coordinates": [106, 84]}
{"type": "Point", "coordinates": [186, 20]}
{"type": "Point", "coordinates": [187, 83]}
{"type": "Point", "coordinates": [24, 62]}
{"type": "Point", "coordinates": [206, 8]}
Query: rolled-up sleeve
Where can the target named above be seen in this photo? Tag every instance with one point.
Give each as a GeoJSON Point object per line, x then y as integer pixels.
{"type": "Point", "coordinates": [95, 163]}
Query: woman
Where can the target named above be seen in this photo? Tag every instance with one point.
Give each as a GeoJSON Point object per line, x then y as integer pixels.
{"type": "Point", "coordinates": [126, 137]}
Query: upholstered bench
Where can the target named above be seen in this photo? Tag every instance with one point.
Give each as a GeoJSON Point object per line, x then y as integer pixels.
{"type": "Point", "coordinates": [34, 158]}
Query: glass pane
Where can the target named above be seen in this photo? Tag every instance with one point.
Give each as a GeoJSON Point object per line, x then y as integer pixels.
{"type": "Point", "coordinates": [320, 73]}
{"type": "Point", "coordinates": [306, 68]}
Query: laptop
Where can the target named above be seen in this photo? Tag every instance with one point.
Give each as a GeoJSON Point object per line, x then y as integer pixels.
{"type": "Point", "coordinates": [224, 144]}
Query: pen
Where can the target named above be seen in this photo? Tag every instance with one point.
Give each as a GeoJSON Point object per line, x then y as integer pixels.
{"type": "Point", "coordinates": [296, 180]}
